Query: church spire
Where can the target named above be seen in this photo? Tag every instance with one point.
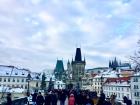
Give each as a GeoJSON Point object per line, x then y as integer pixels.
{"type": "Point", "coordinates": [78, 56]}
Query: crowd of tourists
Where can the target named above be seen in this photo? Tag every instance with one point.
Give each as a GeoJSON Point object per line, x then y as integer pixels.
{"type": "Point", "coordinates": [75, 97]}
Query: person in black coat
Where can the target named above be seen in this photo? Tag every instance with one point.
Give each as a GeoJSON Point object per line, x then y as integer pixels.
{"type": "Point", "coordinates": [78, 98]}
{"type": "Point", "coordinates": [62, 98]}
{"type": "Point", "coordinates": [40, 99]}
{"type": "Point", "coordinates": [83, 98]}
{"type": "Point", "coordinates": [54, 98]}
{"type": "Point", "coordinates": [34, 96]}
{"type": "Point", "coordinates": [88, 101]}
{"type": "Point", "coordinates": [102, 100]}
{"type": "Point", "coordinates": [47, 99]}
{"type": "Point", "coordinates": [127, 101]}
{"type": "Point", "coordinates": [9, 100]}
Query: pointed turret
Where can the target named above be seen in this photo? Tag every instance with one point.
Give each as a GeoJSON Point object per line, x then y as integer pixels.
{"type": "Point", "coordinates": [110, 64]}
{"type": "Point", "coordinates": [78, 56]}
{"type": "Point", "coordinates": [59, 69]}
{"type": "Point", "coordinates": [59, 66]}
{"type": "Point", "coordinates": [115, 63]}
{"type": "Point", "coordinates": [84, 59]}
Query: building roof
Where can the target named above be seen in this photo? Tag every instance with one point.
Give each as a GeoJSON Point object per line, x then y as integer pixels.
{"type": "Point", "coordinates": [78, 56]}
{"type": "Point", "coordinates": [11, 90]}
{"type": "Point", "coordinates": [59, 66]}
{"type": "Point", "coordinates": [93, 74]}
{"type": "Point", "coordinates": [119, 79]}
{"type": "Point", "coordinates": [13, 71]}
{"type": "Point", "coordinates": [136, 74]}
{"type": "Point", "coordinates": [107, 74]}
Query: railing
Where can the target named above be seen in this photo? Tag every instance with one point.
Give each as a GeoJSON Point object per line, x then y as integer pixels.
{"type": "Point", "coordinates": [21, 101]}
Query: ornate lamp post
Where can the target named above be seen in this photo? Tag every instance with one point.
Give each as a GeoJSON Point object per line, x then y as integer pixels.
{"type": "Point", "coordinates": [28, 80]}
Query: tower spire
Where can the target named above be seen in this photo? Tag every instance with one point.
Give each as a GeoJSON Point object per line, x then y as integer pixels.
{"type": "Point", "coordinates": [78, 56]}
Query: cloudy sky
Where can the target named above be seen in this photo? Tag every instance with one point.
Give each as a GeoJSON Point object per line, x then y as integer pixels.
{"type": "Point", "coordinates": [35, 33]}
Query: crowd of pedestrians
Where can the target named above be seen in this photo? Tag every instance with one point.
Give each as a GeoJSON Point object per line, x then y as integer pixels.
{"type": "Point", "coordinates": [80, 97]}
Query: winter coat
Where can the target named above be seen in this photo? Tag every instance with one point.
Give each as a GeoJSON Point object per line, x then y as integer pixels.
{"type": "Point", "coordinates": [9, 100]}
{"type": "Point", "coordinates": [127, 101]}
{"type": "Point", "coordinates": [71, 100]}
{"type": "Point", "coordinates": [103, 102]}
{"type": "Point", "coordinates": [63, 97]}
{"type": "Point", "coordinates": [78, 98]}
{"type": "Point", "coordinates": [54, 99]}
{"type": "Point", "coordinates": [48, 99]}
{"type": "Point", "coordinates": [34, 97]}
{"type": "Point", "coordinates": [89, 102]}
{"type": "Point", "coordinates": [95, 100]}
{"type": "Point", "coordinates": [40, 100]}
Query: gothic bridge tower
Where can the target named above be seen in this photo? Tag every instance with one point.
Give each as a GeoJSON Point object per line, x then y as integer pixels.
{"type": "Point", "coordinates": [78, 67]}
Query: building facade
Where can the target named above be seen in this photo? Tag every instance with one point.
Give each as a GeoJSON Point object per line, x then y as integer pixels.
{"type": "Point", "coordinates": [100, 78]}
{"type": "Point", "coordinates": [135, 89]}
{"type": "Point", "coordinates": [13, 77]}
{"type": "Point", "coordinates": [118, 86]}
{"type": "Point", "coordinates": [87, 82]}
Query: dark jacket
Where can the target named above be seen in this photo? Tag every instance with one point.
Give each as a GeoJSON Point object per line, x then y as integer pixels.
{"type": "Point", "coordinates": [127, 101]}
{"type": "Point", "coordinates": [34, 97]}
{"type": "Point", "coordinates": [9, 100]}
{"type": "Point", "coordinates": [54, 99]}
{"type": "Point", "coordinates": [48, 99]}
{"type": "Point", "coordinates": [63, 97]}
{"type": "Point", "coordinates": [40, 100]}
{"type": "Point", "coordinates": [89, 102]}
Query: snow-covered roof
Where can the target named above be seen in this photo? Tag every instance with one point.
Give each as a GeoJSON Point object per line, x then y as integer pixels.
{"type": "Point", "coordinates": [13, 71]}
{"type": "Point", "coordinates": [17, 90]}
{"type": "Point", "coordinates": [16, 72]}
{"type": "Point", "coordinates": [59, 82]}
{"type": "Point", "coordinates": [107, 74]}
{"type": "Point", "coordinates": [11, 90]}
{"type": "Point", "coordinates": [48, 76]}
{"type": "Point", "coordinates": [118, 81]}
{"type": "Point", "coordinates": [4, 89]}
{"type": "Point", "coordinates": [137, 74]}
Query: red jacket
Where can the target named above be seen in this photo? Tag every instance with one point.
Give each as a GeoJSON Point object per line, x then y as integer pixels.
{"type": "Point", "coordinates": [71, 100]}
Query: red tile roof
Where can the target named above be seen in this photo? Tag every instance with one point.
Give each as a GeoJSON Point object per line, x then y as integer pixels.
{"type": "Point", "coordinates": [119, 79]}
{"type": "Point", "coordinates": [93, 74]}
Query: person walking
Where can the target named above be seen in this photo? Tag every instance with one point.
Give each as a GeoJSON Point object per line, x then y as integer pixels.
{"type": "Point", "coordinates": [95, 98]}
{"type": "Point", "coordinates": [113, 100]}
{"type": "Point", "coordinates": [34, 96]}
{"type": "Point", "coordinates": [62, 98]}
{"type": "Point", "coordinates": [54, 98]}
{"type": "Point", "coordinates": [102, 100]}
{"type": "Point", "coordinates": [48, 99]}
{"type": "Point", "coordinates": [40, 99]}
{"type": "Point", "coordinates": [88, 101]}
{"type": "Point", "coordinates": [9, 100]}
{"type": "Point", "coordinates": [71, 100]}
{"type": "Point", "coordinates": [127, 101]}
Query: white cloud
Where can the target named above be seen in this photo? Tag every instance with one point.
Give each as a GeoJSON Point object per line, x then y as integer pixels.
{"type": "Point", "coordinates": [41, 31]}
{"type": "Point", "coordinates": [46, 17]}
